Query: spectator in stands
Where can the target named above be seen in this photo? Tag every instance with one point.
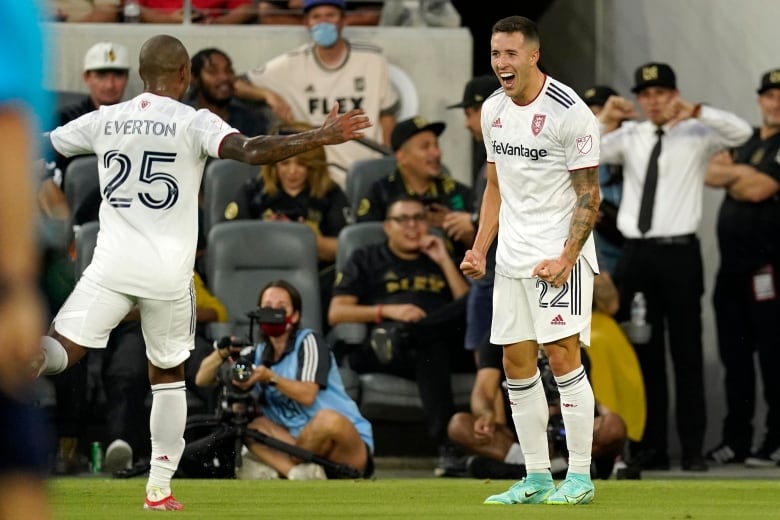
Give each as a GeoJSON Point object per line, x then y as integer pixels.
{"type": "Point", "coordinates": [106, 72]}
{"type": "Point", "coordinates": [331, 68]}
{"type": "Point", "coordinates": [106, 69]}
{"type": "Point", "coordinates": [212, 87]}
{"type": "Point", "coordinates": [305, 401]}
{"type": "Point", "coordinates": [449, 204]}
{"type": "Point", "coordinates": [480, 300]}
{"type": "Point", "coordinates": [299, 189]}
{"type": "Point", "coordinates": [290, 12]}
{"type": "Point", "coordinates": [609, 240]}
{"type": "Point", "coordinates": [23, 433]}
{"type": "Point", "coordinates": [203, 11]}
{"type": "Point", "coordinates": [412, 291]}
{"type": "Point", "coordinates": [82, 11]}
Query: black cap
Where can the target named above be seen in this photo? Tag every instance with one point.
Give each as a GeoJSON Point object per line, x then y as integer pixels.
{"type": "Point", "coordinates": [408, 128]}
{"type": "Point", "coordinates": [654, 75]}
{"type": "Point", "coordinates": [598, 95]}
{"type": "Point", "coordinates": [769, 80]}
{"type": "Point", "coordinates": [478, 90]}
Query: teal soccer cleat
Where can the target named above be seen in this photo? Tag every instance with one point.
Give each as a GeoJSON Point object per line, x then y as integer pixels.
{"type": "Point", "coordinates": [533, 489]}
{"type": "Point", "coordinates": [575, 490]}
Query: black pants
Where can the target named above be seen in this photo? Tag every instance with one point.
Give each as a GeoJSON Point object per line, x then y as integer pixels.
{"type": "Point", "coordinates": [126, 383]}
{"type": "Point", "coordinates": [671, 277]}
{"type": "Point", "coordinates": [433, 352]}
{"type": "Point", "coordinates": [745, 328]}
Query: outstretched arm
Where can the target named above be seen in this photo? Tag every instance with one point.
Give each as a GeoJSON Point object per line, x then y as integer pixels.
{"type": "Point", "coordinates": [265, 149]}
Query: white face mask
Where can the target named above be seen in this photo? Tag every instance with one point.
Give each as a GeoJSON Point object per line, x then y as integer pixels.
{"type": "Point", "coordinates": [325, 34]}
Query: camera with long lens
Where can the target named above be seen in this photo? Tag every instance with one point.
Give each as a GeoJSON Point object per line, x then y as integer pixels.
{"type": "Point", "coordinates": [239, 364]}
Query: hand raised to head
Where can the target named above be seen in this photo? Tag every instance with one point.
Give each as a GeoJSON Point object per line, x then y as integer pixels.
{"type": "Point", "coordinates": [340, 128]}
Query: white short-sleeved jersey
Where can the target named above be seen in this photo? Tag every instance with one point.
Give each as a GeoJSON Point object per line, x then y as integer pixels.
{"type": "Point", "coordinates": [534, 148]}
{"type": "Point", "coordinates": [311, 89]}
{"type": "Point", "coordinates": [151, 152]}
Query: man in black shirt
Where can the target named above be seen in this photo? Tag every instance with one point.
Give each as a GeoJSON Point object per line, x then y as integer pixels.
{"type": "Point", "coordinates": [746, 297]}
{"type": "Point", "coordinates": [449, 203]}
{"type": "Point", "coordinates": [409, 285]}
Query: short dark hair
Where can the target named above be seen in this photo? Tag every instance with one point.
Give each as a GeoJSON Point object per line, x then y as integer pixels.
{"type": "Point", "coordinates": [199, 60]}
{"type": "Point", "coordinates": [295, 295]}
{"type": "Point", "coordinates": [521, 24]}
{"type": "Point", "coordinates": [404, 197]}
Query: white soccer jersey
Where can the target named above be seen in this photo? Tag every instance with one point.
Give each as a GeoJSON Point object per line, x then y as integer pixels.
{"type": "Point", "coordinates": [363, 81]}
{"type": "Point", "coordinates": [151, 152]}
{"type": "Point", "coordinates": [534, 147]}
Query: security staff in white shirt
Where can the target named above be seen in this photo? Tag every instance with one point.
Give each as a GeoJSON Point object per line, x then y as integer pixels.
{"type": "Point", "coordinates": [659, 215]}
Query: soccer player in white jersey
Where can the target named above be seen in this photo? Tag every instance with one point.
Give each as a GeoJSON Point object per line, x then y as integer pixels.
{"type": "Point", "coordinates": [151, 151]}
{"type": "Point", "coordinates": [331, 68]}
{"type": "Point", "coordinates": [541, 199]}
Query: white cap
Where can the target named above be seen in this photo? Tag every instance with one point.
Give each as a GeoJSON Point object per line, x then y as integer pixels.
{"type": "Point", "coordinates": [106, 55]}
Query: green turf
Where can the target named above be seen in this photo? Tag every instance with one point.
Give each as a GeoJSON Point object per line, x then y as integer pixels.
{"type": "Point", "coordinates": [87, 499]}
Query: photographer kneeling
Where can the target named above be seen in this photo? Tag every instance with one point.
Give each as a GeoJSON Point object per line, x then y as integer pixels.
{"type": "Point", "coordinates": [303, 398]}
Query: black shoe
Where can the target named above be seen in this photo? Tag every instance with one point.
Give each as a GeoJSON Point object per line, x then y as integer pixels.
{"type": "Point", "coordinates": [484, 467]}
{"type": "Point", "coordinates": [764, 458]}
{"type": "Point", "coordinates": [695, 463]}
{"type": "Point", "coordinates": [452, 462]}
{"type": "Point", "coordinates": [723, 453]}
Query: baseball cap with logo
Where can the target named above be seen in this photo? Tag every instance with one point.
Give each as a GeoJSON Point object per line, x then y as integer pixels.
{"type": "Point", "coordinates": [598, 95]}
{"type": "Point", "coordinates": [769, 80]}
{"type": "Point", "coordinates": [408, 128]}
{"type": "Point", "coordinates": [106, 56]}
{"type": "Point", "coordinates": [654, 75]}
{"type": "Point", "coordinates": [308, 4]}
{"type": "Point", "coordinates": [477, 90]}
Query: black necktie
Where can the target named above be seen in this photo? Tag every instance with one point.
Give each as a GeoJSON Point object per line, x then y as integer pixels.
{"type": "Point", "coordinates": [648, 191]}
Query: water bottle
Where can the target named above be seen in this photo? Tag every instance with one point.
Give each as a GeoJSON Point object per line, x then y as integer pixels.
{"type": "Point", "coordinates": [638, 328]}
{"type": "Point", "coordinates": [638, 310]}
{"type": "Point", "coordinates": [132, 11]}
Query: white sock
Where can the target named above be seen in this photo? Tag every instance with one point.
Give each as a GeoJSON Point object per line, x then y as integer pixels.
{"type": "Point", "coordinates": [577, 408]}
{"type": "Point", "coordinates": [166, 422]}
{"type": "Point", "coordinates": [55, 357]}
{"type": "Point", "coordinates": [530, 415]}
{"type": "Point", "coordinates": [515, 454]}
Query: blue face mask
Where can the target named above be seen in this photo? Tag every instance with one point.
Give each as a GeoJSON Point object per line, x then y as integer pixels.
{"type": "Point", "coordinates": [325, 34]}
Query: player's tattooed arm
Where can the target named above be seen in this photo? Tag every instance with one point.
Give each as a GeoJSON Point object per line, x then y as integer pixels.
{"type": "Point", "coordinates": [585, 183]}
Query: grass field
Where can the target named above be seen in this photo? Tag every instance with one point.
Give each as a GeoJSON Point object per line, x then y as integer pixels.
{"type": "Point", "coordinates": [88, 499]}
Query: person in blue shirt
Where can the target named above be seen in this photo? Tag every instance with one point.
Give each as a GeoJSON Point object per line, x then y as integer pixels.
{"type": "Point", "coordinates": [23, 106]}
{"type": "Point", "coordinates": [304, 401]}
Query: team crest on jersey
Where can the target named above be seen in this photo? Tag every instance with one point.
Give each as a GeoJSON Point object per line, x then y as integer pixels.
{"type": "Point", "coordinates": [584, 144]}
{"type": "Point", "coordinates": [497, 123]}
{"type": "Point", "coordinates": [360, 84]}
{"type": "Point", "coordinates": [145, 104]}
{"type": "Point", "coordinates": [537, 123]}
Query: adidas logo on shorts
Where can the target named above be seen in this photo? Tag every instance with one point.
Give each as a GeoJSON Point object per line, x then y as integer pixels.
{"type": "Point", "coordinates": [558, 320]}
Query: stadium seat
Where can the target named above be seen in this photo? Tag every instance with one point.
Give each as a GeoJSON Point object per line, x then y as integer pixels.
{"type": "Point", "coordinates": [85, 241]}
{"type": "Point", "coordinates": [222, 179]}
{"type": "Point", "coordinates": [244, 255]}
{"type": "Point", "coordinates": [81, 179]}
{"type": "Point", "coordinates": [362, 174]}
{"type": "Point", "coordinates": [383, 397]}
